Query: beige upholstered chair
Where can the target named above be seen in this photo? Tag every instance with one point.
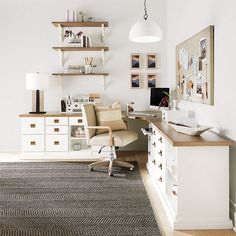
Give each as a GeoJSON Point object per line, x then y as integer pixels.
{"type": "Point", "coordinates": [114, 139]}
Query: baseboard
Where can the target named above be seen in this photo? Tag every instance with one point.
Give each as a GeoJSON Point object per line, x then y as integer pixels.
{"type": "Point", "coordinates": [232, 207]}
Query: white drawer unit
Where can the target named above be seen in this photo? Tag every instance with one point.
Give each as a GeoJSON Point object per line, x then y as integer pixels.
{"type": "Point", "coordinates": [184, 171]}
{"type": "Point", "coordinates": [56, 143]}
{"type": "Point", "coordinates": [54, 130]}
{"type": "Point", "coordinates": [76, 121]}
{"type": "Point", "coordinates": [32, 125]}
{"type": "Point", "coordinates": [32, 143]}
{"type": "Point", "coordinates": [56, 121]}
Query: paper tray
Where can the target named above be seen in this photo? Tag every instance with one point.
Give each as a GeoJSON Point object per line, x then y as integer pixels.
{"type": "Point", "coordinates": [191, 131]}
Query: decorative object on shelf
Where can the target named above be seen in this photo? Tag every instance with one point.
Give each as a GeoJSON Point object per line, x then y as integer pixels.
{"type": "Point", "coordinates": [130, 107]}
{"type": "Point", "coordinates": [74, 37]}
{"type": "Point", "coordinates": [70, 15]}
{"type": "Point", "coordinates": [95, 98]}
{"type": "Point", "coordinates": [88, 65]}
{"type": "Point", "coordinates": [152, 61]}
{"type": "Point", "coordinates": [82, 14]}
{"type": "Point", "coordinates": [91, 19]}
{"type": "Point", "coordinates": [145, 31]}
{"type": "Point", "coordinates": [195, 68]}
{"type": "Point", "coordinates": [38, 82]}
{"type": "Point", "coordinates": [135, 60]}
{"type": "Point", "coordinates": [135, 80]}
{"type": "Point", "coordinates": [151, 80]}
{"type": "Point", "coordinates": [69, 101]}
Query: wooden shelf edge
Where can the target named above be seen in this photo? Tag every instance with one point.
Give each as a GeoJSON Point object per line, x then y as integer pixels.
{"type": "Point", "coordinates": [80, 74]}
{"type": "Point", "coordinates": [81, 48]}
{"type": "Point", "coordinates": [80, 24]}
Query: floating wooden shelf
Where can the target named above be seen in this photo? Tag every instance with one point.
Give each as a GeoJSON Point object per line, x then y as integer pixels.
{"type": "Point", "coordinates": [80, 24]}
{"type": "Point", "coordinates": [80, 74]}
{"type": "Point", "coordinates": [81, 48]}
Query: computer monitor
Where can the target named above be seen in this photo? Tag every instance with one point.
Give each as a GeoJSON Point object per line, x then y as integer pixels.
{"type": "Point", "coordinates": [156, 95]}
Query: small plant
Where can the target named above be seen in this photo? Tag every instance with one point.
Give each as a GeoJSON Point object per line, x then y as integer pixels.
{"type": "Point", "coordinates": [165, 101]}
{"type": "Point", "coordinates": [82, 14]}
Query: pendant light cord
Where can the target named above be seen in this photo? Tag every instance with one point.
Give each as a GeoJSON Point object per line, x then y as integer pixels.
{"type": "Point", "coordinates": [145, 10]}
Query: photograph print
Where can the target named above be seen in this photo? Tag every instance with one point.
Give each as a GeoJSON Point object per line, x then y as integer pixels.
{"type": "Point", "coordinates": [135, 61]}
{"type": "Point", "coordinates": [151, 80]}
{"type": "Point", "coordinates": [152, 61]}
{"type": "Point", "coordinates": [203, 48]}
{"type": "Point", "coordinates": [135, 80]}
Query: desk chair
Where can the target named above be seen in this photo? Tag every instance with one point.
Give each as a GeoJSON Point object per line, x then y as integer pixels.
{"type": "Point", "coordinates": [114, 139]}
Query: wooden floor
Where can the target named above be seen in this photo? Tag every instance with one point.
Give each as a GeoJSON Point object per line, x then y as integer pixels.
{"type": "Point", "coordinates": [160, 215]}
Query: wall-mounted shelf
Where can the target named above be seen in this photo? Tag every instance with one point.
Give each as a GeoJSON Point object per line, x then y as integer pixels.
{"type": "Point", "coordinates": [102, 75]}
{"type": "Point", "coordinates": [81, 49]}
{"type": "Point", "coordinates": [80, 74]}
{"type": "Point", "coordinates": [80, 24]}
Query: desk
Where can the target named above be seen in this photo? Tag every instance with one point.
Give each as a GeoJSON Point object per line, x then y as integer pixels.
{"type": "Point", "coordinates": [191, 177]}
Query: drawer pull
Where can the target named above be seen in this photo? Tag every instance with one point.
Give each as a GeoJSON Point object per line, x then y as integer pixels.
{"type": "Point", "coordinates": [56, 121]}
{"type": "Point", "coordinates": [160, 139]}
{"type": "Point", "coordinates": [160, 179]}
{"type": "Point", "coordinates": [32, 126]}
{"type": "Point", "coordinates": [154, 144]}
{"type": "Point", "coordinates": [56, 143]}
{"type": "Point", "coordinates": [154, 162]}
{"type": "Point", "coordinates": [79, 121]}
{"type": "Point", "coordinates": [149, 153]}
{"type": "Point", "coordinates": [154, 132]}
{"type": "Point", "coordinates": [56, 129]}
{"type": "Point", "coordinates": [160, 166]}
{"type": "Point", "coordinates": [160, 153]}
{"type": "Point", "coordinates": [32, 143]}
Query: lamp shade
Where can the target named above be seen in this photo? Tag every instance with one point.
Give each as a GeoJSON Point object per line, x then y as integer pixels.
{"type": "Point", "coordinates": [145, 31]}
{"type": "Point", "coordinates": [36, 81]}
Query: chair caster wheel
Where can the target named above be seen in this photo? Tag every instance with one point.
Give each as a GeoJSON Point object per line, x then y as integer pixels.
{"type": "Point", "coordinates": [131, 168]}
{"type": "Point", "coordinates": [110, 174]}
{"type": "Point", "coordinates": [91, 169]}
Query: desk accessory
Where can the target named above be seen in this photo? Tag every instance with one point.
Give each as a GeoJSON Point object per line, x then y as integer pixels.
{"type": "Point", "coordinates": [38, 82]}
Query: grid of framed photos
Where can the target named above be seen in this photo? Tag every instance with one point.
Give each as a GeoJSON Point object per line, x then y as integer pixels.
{"type": "Point", "coordinates": [140, 62]}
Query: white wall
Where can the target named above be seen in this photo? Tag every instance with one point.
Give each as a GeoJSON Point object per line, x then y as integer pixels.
{"type": "Point", "coordinates": [186, 18]}
{"type": "Point", "coordinates": [27, 36]}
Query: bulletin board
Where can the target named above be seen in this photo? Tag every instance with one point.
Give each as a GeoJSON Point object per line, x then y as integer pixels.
{"type": "Point", "coordinates": [195, 68]}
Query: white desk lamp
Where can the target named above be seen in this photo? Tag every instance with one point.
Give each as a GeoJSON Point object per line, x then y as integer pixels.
{"type": "Point", "coordinates": [37, 82]}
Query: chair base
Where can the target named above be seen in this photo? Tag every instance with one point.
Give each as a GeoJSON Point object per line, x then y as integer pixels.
{"type": "Point", "coordinates": [110, 164]}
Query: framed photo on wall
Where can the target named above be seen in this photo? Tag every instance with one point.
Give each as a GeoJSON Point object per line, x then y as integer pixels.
{"type": "Point", "coordinates": [135, 80]}
{"type": "Point", "coordinates": [151, 80]}
{"type": "Point", "coordinates": [152, 61]}
{"type": "Point", "coordinates": [135, 60]}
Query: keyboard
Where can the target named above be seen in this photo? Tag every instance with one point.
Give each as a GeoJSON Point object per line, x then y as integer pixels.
{"type": "Point", "coordinates": [145, 113]}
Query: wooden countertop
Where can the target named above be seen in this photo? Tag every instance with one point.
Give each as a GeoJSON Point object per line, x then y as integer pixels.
{"type": "Point", "coordinates": [208, 138]}
{"type": "Point", "coordinates": [52, 114]}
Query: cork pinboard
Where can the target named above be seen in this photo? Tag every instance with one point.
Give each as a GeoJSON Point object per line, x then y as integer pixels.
{"type": "Point", "coordinates": [195, 68]}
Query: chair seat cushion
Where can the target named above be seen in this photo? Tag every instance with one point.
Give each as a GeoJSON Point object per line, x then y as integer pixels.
{"type": "Point", "coordinates": [121, 138]}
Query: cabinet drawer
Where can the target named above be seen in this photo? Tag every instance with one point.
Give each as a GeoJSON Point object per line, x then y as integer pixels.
{"type": "Point", "coordinates": [34, 125]}
{"type": "Point", "coordinates": [56, 121]}
{"type": "Point", "coordinates": [56, 143]}
{"type": "Point", "coordinates": [57, 129]}
{"type": "Point", "coordinates": [76, 120]}
{"type": "Point", "coordinates": [32, 143]}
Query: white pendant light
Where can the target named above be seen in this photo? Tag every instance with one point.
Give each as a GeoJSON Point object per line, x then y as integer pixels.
{"type": "Point", "coordinates": [145, 31]}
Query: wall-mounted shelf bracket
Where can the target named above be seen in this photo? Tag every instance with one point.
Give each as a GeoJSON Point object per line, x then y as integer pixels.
{"type": "Point", "coordinates": [61, 53]}
{"type": "Point", "coordinates": [61, 29]}
{"type": "Point", "coordinates": [103, 81]}
{"type": "Point", "coordinates": [103, 56]}
{"type": "Point", "coordinates": [102, 33]}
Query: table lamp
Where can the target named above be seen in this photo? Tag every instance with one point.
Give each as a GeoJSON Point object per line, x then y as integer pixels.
{"type": "Point", "coordinates": [38, 82]}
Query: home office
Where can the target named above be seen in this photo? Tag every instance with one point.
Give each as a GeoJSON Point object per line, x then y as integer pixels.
{"type": "Point", "coordinates": [106, 135]}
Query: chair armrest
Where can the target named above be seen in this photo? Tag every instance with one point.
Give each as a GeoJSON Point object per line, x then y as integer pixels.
{"type": "Point", "coordinates": [103, 127]}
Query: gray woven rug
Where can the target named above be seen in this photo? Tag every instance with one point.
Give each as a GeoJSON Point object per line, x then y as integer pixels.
{"type": "Point", "coordinates": [60, 199]}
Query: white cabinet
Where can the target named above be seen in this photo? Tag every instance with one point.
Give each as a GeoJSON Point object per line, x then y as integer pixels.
{"type": "Point", "coordinates": [53, 135]}
{"type": "Point", "coordinates": [191, 176]}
